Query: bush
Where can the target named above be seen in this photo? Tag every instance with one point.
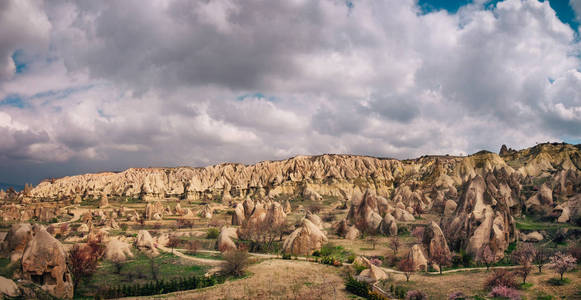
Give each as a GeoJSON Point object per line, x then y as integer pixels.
{"type": "Point", "coordinates": [350, 259]}
{"type": "Point", "coordinates": [358, 268]}
{"type": "Point", "coordinates": [286, 256]}
{"type": "Point", "coordinates": [500, 277]}
{"type": "Point", "coordinates": [505, 292]}
{"type": "Point", "coordinates": [400, 291]}
{"type": "Point", "coordinates": [558, 282]}
{"type": "Point", "coordinates": [357, 287]}
{"type": "Point", "coordinates": [331, 260]}
{"type": "Point", "coordinates": [403, 230]}
{"type": "Point", "coordinates": [235, 262]}
{"type": "Point", "coordinates": [212, 233]}
{"type": "Point", "coordinates": [416, 295]}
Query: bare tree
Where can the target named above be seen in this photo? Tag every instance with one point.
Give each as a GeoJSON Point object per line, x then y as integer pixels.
{"type": "Point", "coordinates": [173, 242]}
{"type": "Point", "coordinates": [82, 264]}
{"type": "Point", "coordinates": [523, 255]}
{"type": "Point", "coordinates": [372, 240]}
{"type": "Point", "coordinates": [407, 267]}
{"type": "Point", "coordinates": [541, 257]}
{"type": "Point", "coordinates": [235, 262]}
{"type": "Point", "coordinates": [395, 244]}
{"type": "Point", "coordinates": [486, 256]}
{"type": "Point", "coordinates": [562, 263]}
{"type": "Point", "coordinates": [441, 257]}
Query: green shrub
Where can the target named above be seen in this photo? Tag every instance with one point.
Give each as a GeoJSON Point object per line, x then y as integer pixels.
{"type": "Point", "coordinates": [212, 233]}
{"type": "Point", "coordinates": [403, 230]}
{"type": "Point", "coordinates": [358, 268]}
{"type": "Point", "coordinates": [331, 260]}
{"type": "Point", "coordinates": [286, 256]}
{"type": "Point", "coordinates": [558, 282]}
{"type": "Point", "coordinates": [357, 287]}
{"type": "Point", "coordinates": [543, 296]}
{"type": "Point", "coordinates": [350, 259]}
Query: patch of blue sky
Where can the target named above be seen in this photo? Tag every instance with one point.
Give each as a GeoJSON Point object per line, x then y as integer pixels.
{"type": "Point", "coordinates": [20, 61]}
{"type": "Point", "coordinates": [257, 95]}
{"type": "Point", "coordinates": [571, 140]}
{"type": "Point", "coordinates": [562, 8]}
{"type": "Point", "coordinates": [13, 100]}
{"type": "Point", "coordinates": [61, 94]}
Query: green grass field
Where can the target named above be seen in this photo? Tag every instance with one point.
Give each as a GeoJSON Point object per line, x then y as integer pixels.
{"type": "Point", "coordinates": [138, 270]}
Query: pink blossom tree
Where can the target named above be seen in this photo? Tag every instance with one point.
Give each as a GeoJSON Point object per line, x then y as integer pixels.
{"type": "Point", "coordinates": [562, 263]}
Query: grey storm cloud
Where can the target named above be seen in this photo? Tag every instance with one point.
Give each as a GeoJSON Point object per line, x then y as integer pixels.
{"type": "Point", "coordinates": [108, 85]}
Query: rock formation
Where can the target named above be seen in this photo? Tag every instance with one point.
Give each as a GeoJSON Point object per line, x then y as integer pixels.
{"type": "Point", "coordinates": [152, 209]}
{"type": "Point", "coordinates": [484, 214]}
{"type": "Point", "coordinates": [226, 239]}
{"type": "Point", "coordinates": [206, 212]}
{"type": "Point", "coordinates": [434, 239]}
{"type": "Point", "coordinates": [419, 259]}
{"type": "Point", "coordinates": [17, 239]}
{"type": "Point", "coordinates": [145, 243]}
{"type": "Point", "coordinates": [8, 289]}
{"type": "Point", "coordinates": [305, 239]}
{"type": "Point", "coordinates": [117, 250]}
{"type": "Point", "coordinates": [44, 263]}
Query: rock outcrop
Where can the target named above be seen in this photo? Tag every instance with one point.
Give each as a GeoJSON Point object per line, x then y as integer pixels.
{"type": "Point", "coordinates": [8, 289]}
{"type": "Point", "coordinates": [144, 242]}
{"type": "Point", "coordinates": [226, 239]}
{"type": "Point", "coordinates": [117, 250]}
{"type": "Point", "coordinates": [307, 238]}
{"type": "Point", "coordinates": [484, 214]}
{"type": "Point", "coordinates": [17, 239]}
{"type": "Point", "coordinates": [434, 239]}
{"type": "Point", "coordinates": [44, 263]}
{"type": "Point", "coordinates": [418, 258]}
{"type": "Point", "coordinates": [152, 209]}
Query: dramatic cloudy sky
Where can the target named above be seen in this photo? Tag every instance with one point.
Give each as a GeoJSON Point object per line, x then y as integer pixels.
{"type": "Point", "coordinates": [105, 85]}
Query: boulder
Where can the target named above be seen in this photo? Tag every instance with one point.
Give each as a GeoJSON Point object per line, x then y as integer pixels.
{"type": "Point", "coordinates": [8, 288]}
{"type": "Point", "coordinates": [434, 239]}
{"type": "Point", "coordinates": [144, 242]}
{"type": "Point", "coordinates": [352, 233]}
{"type": "Point", "coordinates": [206, 212]}
{"type": "Point", "coordinates": [44, 263]}
{"type": "Point", "coordinates": [153, 208]}
{"type": "Point", "coordinates": [83, 228]}
{"type": "Point", "coordinates": [315, 219]}
{"type": "Point", "coordinates": [225, 241]}
{"type": "Point", "coordinates": [403, 215]}
{"type": "Point", "coordinates": [418, 258]}
{"type": "Point", "coordinates": [534, 236]}
{"type": "Point", "coordinates": [238, 217]}
{"type": "Point", "coordinates": [77, 199]}
{"type": "Point", "coordinates": [117, 250]}
{"type": "Point", "coordinates": [17, 239]}
{"type": "Point", "coordinates": [311, 195]}
{"type": "Point", "coordinates": [364, 212]}
{"type": "Point", "coordinates": [305, 239]}
{"type": "Point", "coordinates": [372, 275]}
{"type": "Point", "coordinates": [389, 225]}
{"type": "Point", "coordinates": [104, 202]}
{"type": "Point", "coordinates": [449, 207]}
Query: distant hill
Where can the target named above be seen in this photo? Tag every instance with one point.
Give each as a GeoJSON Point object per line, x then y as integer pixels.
{"type": "Point", "coordinates": [5, 186]}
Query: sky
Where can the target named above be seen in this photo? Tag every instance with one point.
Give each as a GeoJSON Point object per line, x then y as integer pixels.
{"type": "Point", "coordinates": [90, 86]}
